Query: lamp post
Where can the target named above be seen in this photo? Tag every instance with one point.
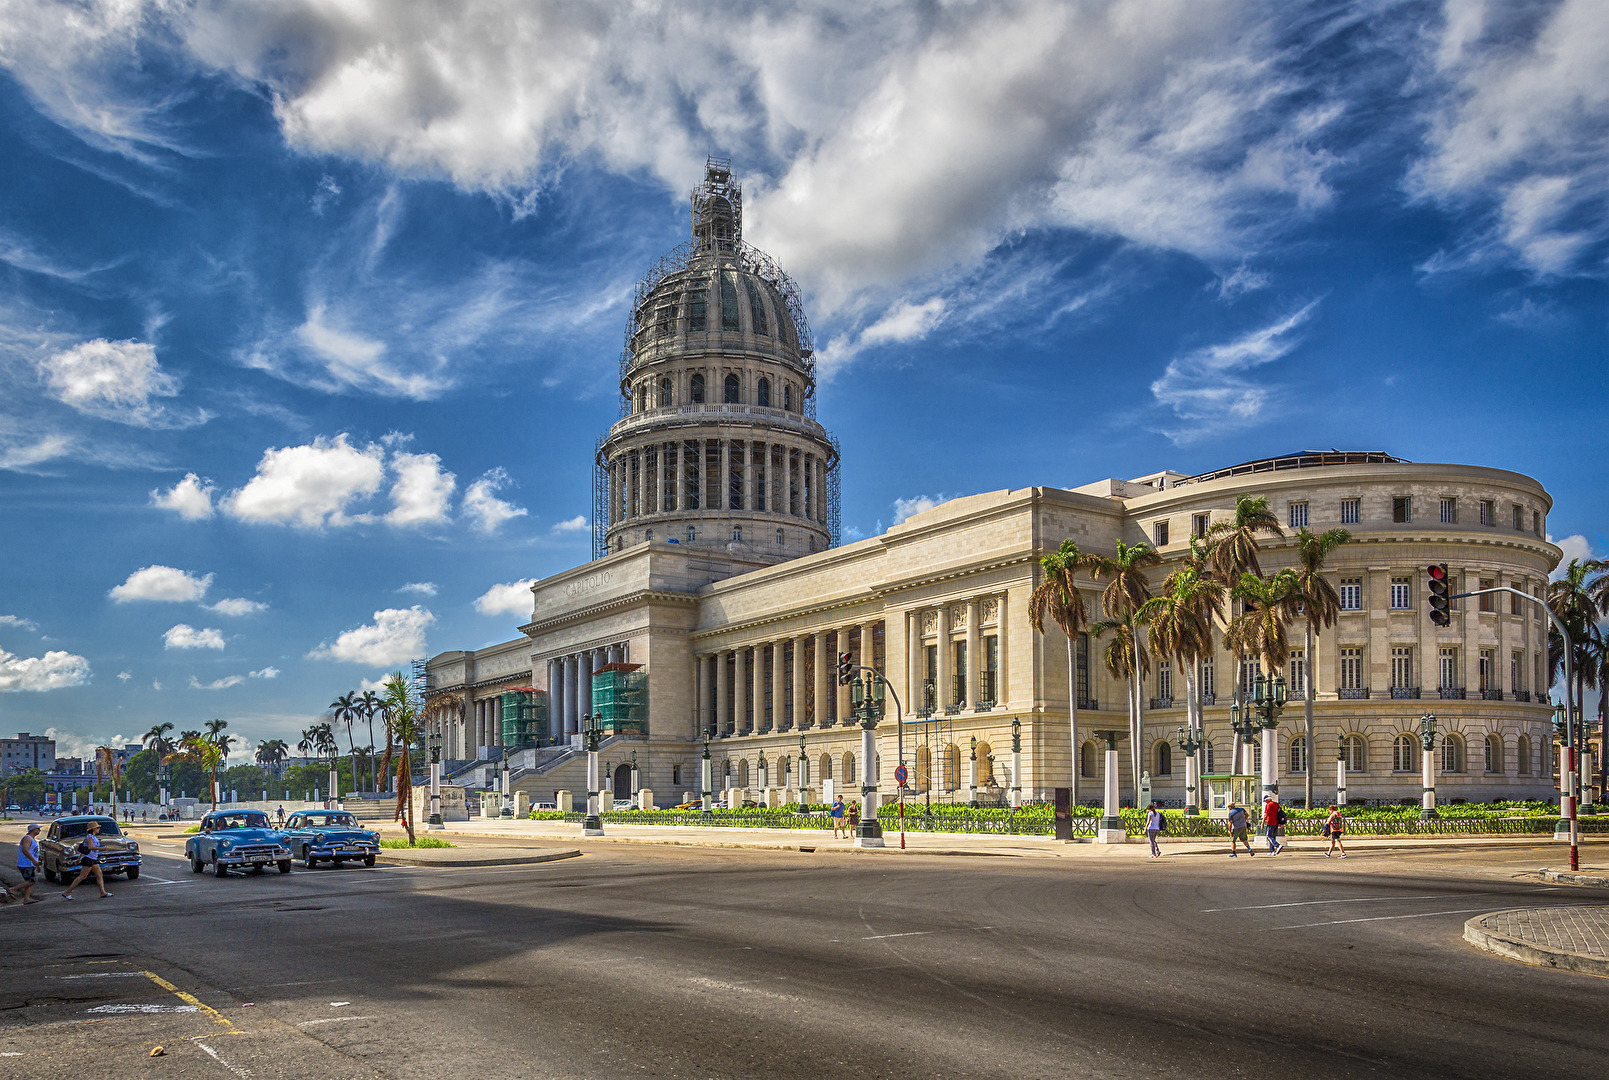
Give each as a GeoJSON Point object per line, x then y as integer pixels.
{"type": "Point", "coordinates": [1563, 728]}
{"type": "Point", "coordinates": [706, 779]}
{"type": "Point", "coordinates": [1111, 829]}
{"type": "Point", "coordinates": [1427, 740]}
{"type": "Point", "coordinates": [1267, 701]}
{"type": "Point", "coordinates": [508, 796]}
{"type": "Point", "coordinates": [1340, 772]}
{"type": "Point", "coordinates": [1016, 763]}
{"type": "Point", "coordinates": [867, 695]}
{"type": "Point", "coordinates": [1191, 741]}
{"type": "Point", "coordinates": [435, 781]}
{"type": "Point", "coordinates": [1245, 729]}
{"type": "Point", "coordinates": [972, 774]}
{"type": "Point", "coordinates": [591, 736]}
{"type": "Point", "coordinates": [164, 776]}
{"type": "Point", "coordinates": [634, 782]}
{"type": "Point", "coordinates": [804, 776]}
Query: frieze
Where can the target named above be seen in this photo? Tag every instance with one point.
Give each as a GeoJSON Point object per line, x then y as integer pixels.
{"type": "Point", "coordinates": [930, 622]}
{"type": "Point", "coordinates": [958, 617]}
{"type": "Point", "coordinates": [989, 609]}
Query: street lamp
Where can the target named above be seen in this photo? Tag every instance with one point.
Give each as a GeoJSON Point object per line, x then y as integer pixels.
{"type": "Point", "coordinates": [706, 779]}
{"type": "Point", "coordinates": [1016, 763]}
{"type": "Point", "coordinates": [972, 774]}
{"type": "Point", "coordinates": [634, 784]}
{"type": "Point", "coordinates": [804, 775]}
{"type": "Point", "coordinates": [1191, 740]}
{"type": "Point", "coordinates": [1340, 772]}
{"type": "Point", "coordinates": [508, 796]}
{"type": "Point", "coordinates": [867, 695]}
{"type": "Point", "coordinates": [435, 781]}
{"type": "Point", "coordinates": [1245, 729]}
{"type": "Point", "coordinates": [1427, 740]}
{"type": "Point", "coordinates": [1267, 700]}
{"type": "Point", "coordinates": [591, 736]}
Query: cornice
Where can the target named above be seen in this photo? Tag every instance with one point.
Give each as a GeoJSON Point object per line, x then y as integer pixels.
{"type": "Point", "coordinates": [632, 599]}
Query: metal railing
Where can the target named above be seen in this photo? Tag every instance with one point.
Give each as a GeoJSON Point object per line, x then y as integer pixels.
{"type": "Point", "coordinates": [1162, 702]}
{"type": "Point", "coordinates": [1492, 695]}
{"type": "Point", "coordinates": [1353, 693]}
{"type": "Point", "coordinates": [1401, 692]}
{"type": "Point", "coordinates": [1452, 693]}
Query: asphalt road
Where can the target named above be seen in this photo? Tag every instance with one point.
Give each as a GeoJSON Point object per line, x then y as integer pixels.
{"type": "Point", "coordinates": [648, 962]}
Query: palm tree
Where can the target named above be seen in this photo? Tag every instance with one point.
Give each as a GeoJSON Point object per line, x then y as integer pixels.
{"type": "Point", "coordinates": [106, 764]}
{"type": "Point", "coordinates": [1126, 660]}
{"type": "Point", "coordinates": [1126, 592]}
{"type": "Point", "coordinates": [390, 738]}
{"type": "Point", "coordinates": [196, 747]}
{"type": "Point", "coordinates": [370, 704]}
{"type": "Point", "coordinates": [345, 708]}
{"type": "Point", "coordinates": [1259, 630]}
{"type": "Point", "coordinates": [404, 713]}
{"type": "Point", "coordinates": [1234, 542]}
{"type": "Point", "coordinates": [157, 739]}
{"type": "Point", "coordinates": [1058, 596]}
{"type": "Point", "coordinates": [271, 754]}
{"type": "Point", "coordinates": [1181, 625]}
{"type": "Point", "coordinates": [1321, 605]}
{"type": "Point", "coordinates": [1571, 600]}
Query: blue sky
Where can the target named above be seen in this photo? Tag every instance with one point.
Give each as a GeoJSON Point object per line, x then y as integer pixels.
{"type": "Point", "coordinates": [310, 313]}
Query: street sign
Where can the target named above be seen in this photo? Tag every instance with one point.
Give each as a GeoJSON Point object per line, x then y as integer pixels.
{"type": "Point", "coordinates": [901, 774]}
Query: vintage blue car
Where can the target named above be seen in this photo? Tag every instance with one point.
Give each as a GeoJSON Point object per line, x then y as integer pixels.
{"type": "Point", "coordinates": [237, 838]}
{"type": "Point", "coordinates": [331, 835]}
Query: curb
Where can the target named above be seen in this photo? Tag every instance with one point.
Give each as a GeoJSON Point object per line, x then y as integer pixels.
{"type": "Point", "coordinates": [402, 857]}
{"type": "Point", "coordinates": [1527, 953]}
{"type": "Point", "coordinates": [1568, 877]}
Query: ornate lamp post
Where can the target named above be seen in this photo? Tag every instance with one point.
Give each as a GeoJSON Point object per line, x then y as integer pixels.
{"type": "Point", "coordinates": [635, 785]}
{"type": "Point", "coordinates": [867, 696]}
{"type": "Point", "coordinates": [972, 774]}
{"type": "Point", "coordinates": [1427, 740]}
{"type": "Point", "coordinates": [1340, 772]}
{"type": "Point", "coordinates": [591, 736]}
{"type": "Point", "coordinates": [1111, 829]}
{"type": "Point", "coordinates": [434, 821]}
{"type": "Point", "coordinates": [164, 777]}
{"type": "Point", "coordinates": [706, 778]}
{"type": "Point", "coordinates": [804, 775]}
{"type": "Point", "coordinates": [508, 796]}
{"type": "Point", "coordinates": [1016, 763]}
{"type": "Point", "coordinates": [1245, 729]}
{"type": "Point", "coordinates": [1267, 701]}
{"type": "Point", "coordinates": [1190, 742]}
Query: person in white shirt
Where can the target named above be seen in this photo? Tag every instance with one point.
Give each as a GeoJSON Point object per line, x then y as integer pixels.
{"type": "Point", "coordinates": [27, 866]}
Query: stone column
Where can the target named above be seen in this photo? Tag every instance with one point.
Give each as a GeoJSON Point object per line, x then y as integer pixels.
{"type": "Point", "coordinates": [740, 694]}
{"type": "Point", "coordinates": [555, 699]}
{"type": "Point", "coordinates": [615, 655]}
{"type": "Point", "coordinates": [572, 716]}
{"type": "Point", "coordinates": [974, 666]}
{"type": "Point", "coordinates": [721, 710]}
{"type": "Point", "coordinates": [778, 675]}
{"type": "Point", "coordinates": [700, 725]}
{"type": "Point", "coordinates": [583, 686]}
{"type": "Point", "coordinates": [819, 691]}
{"type": "Point", "coordinates": [723, 481]}
{"type": "Point", "coordinates": [845, 636]}
{"type": "Point", "coordinates": [796, 720]}
{"type": "Point", "coordinates": [868, 650]}
{"type": "Point", "coordinates": [943, 692]}
{"type": "Point", "coordinates": [913, 663]}
{"type": "Point", "coordinates": [787, 480]}
{"type": "Point", "coordinates": [757, 677]}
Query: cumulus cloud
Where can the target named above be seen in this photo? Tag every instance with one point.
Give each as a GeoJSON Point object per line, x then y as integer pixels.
{"type": "Point", "coordinates": [19, 622]}
{"type": "Point", "coordinates": [903, 322]}
{"type": "Point", "coordinates": [512, 598]}
{"type": "Point", "coordinates": [233, 680]}
{"type": "Point", "coordinates": [1575, 546]}
{"type": "Point", "coordinates": [310, 485]}
{"type": "Point", "coordinates": [1210, 388]}
{"type": "Point", "coordinates": [423, 491]}
{"type": "Point", "coordinates": [396, 635]}
{"type": "Point", "coordinates": [113, 380]}
{"type": "Point", "coordinates": [190, 498]}
{"type": "Point", "coordinates": [184, 636]}
{"type": "Point", "coordinates": [165, 583]}
{"type": "Point", "coordinates": [576, 524]}
{"type": "Point", "coordinates": [906, 508]}
{"type": "Point", "coordinates": [235, 605]}
{"type": "Point", "coordinates": [52, 671]}
{"type": "Point", "coordinates": [484, 510]}
{"type": "Point", "coordinates": [1519, 133]}
{"type": "Point", "coordinates": [419, 588]}
{"type": "Point", "coordinates": [124, 676]}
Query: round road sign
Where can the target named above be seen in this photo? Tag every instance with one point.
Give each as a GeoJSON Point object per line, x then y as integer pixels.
{"type": "Point", "coordinates": [901, 775]}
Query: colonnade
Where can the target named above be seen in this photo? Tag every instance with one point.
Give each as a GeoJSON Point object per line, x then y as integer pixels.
{"type": "Point", "coordinates": [785, 684]}
{"type": "Point", "coordinates": [977, 684]}
{"type": "Point", "coordinates": [718, 474]}
{"type": "Point", "coordinates": [570, 685]}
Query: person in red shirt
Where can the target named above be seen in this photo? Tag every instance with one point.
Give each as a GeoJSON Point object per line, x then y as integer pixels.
{"type": "Point", "coordinates": [1273, 817]}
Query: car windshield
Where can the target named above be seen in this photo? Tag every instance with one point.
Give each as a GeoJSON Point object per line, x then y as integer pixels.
{"type": "Point", "coordinates": [324, 821]}
{"type": "Point", "coordinates": [71, 829]}
{"type": "Point", "coordinates": [254, 819]}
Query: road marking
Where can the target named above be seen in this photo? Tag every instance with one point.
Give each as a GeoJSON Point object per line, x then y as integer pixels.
{"type": "Point", "coordinates": [335, 1020]}
{"type": "Point", "coordinates": [1383, 918]}
{"type": "Point", "coordinates": [1309, 903]}
{"type": "Point", "coordinates": [163, 880]}
{"type": "Point", "coordinates": [189, 999]}
{"type": "Point", "coordinates": [145, 1009]}
{"type": "Point", "coordinates": [717, 984]}
{"type": "Point", "coordinates": [920, 933]}
{"type": "Point", "coordinates": [104, 975]}
{"type": "Point", "coordinates": [219, 1058]}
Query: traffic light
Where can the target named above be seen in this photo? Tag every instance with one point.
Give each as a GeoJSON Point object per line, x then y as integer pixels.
{"type": "Point", "coordinates": [1440, 605]}
{"type": "Point", "coordinates": [846, 669]}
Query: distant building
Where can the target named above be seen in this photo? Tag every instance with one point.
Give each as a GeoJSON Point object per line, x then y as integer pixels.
{"type": "Point", "coordinates": [69, 765]}
{"type": "Point", "coordinates": [27, 752]}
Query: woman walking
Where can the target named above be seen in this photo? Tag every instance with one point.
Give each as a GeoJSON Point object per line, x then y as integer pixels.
{"type": "Point", "coordinates": [89, 851]}
{"type": "Point", "coordinates": [1333, 828]}
{"type": "Point", "coordinates": [1153, 825]}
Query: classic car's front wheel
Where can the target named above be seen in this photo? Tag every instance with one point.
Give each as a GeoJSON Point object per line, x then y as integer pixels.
{"type": "Point", "coordinates": [133, 872]}
{"type": "Point", "coordinates": [368, 860]}
{"type": "Point", "coordinates": [284, 866]}
{"type": "Point", "coordinates": [219, 871]}
{"type": "Point", "coordinates": [196, 865]}
{"type": "Point", "coordinates": [50, 875]}
{"type": "Point", "coordinates": [307, 856]}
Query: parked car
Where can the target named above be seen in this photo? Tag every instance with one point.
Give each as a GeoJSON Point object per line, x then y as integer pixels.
{"type": "Point", "coordinates": [58, 851]}
{"type": "Point", "coordinates": [624, 804]}
{"type": "Point", "coordinates": [332, 835]}
{"type": "Point", "coordinates": [237, 838]}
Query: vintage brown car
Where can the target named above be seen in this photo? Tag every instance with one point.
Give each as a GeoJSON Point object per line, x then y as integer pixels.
{"type": "Point", "coordinates": [58, 851]}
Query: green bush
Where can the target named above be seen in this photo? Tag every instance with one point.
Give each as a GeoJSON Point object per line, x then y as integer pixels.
{"type": "Point", "coordinates": [418, 842]}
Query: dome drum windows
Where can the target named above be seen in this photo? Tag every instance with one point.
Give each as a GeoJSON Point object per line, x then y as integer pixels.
{"type": "Point", "coordinates": [729, 317]}
{"type": "Point", "coordinates": [697, 390]}
{"type": "Point", "coordinates": [697, 317]}
{"type": "Point", "coordinates": [763, 393]}
{"type": "Point", "coordinates": [664, 393]}
{"type": "Point", "coordinates": [729, 393]}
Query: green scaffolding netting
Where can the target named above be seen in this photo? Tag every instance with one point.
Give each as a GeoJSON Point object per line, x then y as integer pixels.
{"type": "Point", "coordinates": [620, 698]}
{"type": "Point", "coordinates": [525, 717]}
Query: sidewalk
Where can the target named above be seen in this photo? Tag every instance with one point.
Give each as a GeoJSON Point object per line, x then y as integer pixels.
{"type": "Point", "coordinates": [1569, 938]}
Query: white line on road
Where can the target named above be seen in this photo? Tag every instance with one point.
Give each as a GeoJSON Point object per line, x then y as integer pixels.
{"type": "Point", "coordinates": [236, 1069]}
{"type": "Point", "coordinates": [1382, 918]}
{"type": "Point", "coordinates": [164, 881]}
{"type": "Point", "coordinates": [144, 1008]}
{"type": "Point", "coordinates": [105, 975]}
{"type": "Point", "coordinates": [920, 933]}
{"type": "Point", "coordinates": [1355, 900]}
{"type": "Point", "coordinates": [335, 1020]}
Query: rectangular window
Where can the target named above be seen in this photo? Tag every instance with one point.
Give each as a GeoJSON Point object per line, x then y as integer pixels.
{"type": "Point", "coordinates": [1488, 670]}
{"type": "Point", "coordinates": [1351, 594]}
{"type": "Point", "coordinates": [1536, 522]}
{"type": "Point", "coordinates": [1488, 600]}
{"type": "Point", "coordinates": [1401, 593]}
{"type": "Point", "coordinates": [1516, 672]}
{"type": "Point", "coordinates": [1160, 531]}
{"type": "Point", "coordinates": [1349, 511]}
{"type": "Point", "coordinates": [1298, 674]}
{"type": "Point", "coordinates": [1083, 671]}
{"type": "Point", "coordinates": [1249, 670]}
{"type": "Point", "coordinates": [930, 691]}
{"type": "Point", "coordinates": [990, 690]}
{"type": "Point", "coordinates": [697, 316]}
{"type": "Point", "coordinates": [1208, 691]}
{"type": "Point", "coordinates": [1488, 512]}
{"type": "Point", "coordinates": [1164, 682]}
{"type": "Point", "coordinates": [1402, 509]}
{"type": "Point", "coordinates": [1198, 525]}
{"type": "Point", "coordinates": [1298, 515]}
{"type": "Point", "coordinates": [1402, 667]}
{"type": "Point", "coordinates": [1448, 670]}
{"type": "Point", "coordinates": [729, 320]}
{"type": "Point", "coordinates": [1513, 604]}
{"type": "Point", "coordinates": [1519, 518]}
{"type": "Point", "coordinates": [1449, 511]}
{"type": "Point", "coordinates": [958, 672]}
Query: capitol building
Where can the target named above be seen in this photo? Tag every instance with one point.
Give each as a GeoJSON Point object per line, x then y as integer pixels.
{"type": "Point", "coordinates": [720, 593]}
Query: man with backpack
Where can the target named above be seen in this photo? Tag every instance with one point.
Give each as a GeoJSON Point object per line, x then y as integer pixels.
{"type": "Point", "coordinates": [1273, 818]}
{"type": "Point", "coordinates": [1239, 829]}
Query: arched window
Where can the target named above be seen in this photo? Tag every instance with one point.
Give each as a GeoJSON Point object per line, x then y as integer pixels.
{"type": "Point", "coordinates": [649, 535]}
{"type": "Point", "coordinates": [952, 767]}
{"type": "Point", "coordinates": [1404, 754]}
{"type": "Point", "coordinates": [1087, 757]}
{"type": "Point", "coordinates": [728, 301]}
{"type": "Point", "coordinates": [762, 393]}
{"type": "Point", "coordinates": [1164, 759]}
{"type": "Point", "coordinates": [756, 309]}
{"type": "Point", "coordinates": [787, 396]}
{"type": "Point", "coordinates": [922, 778]}
{"type": "Point", "coordinates": [1357, 753]}
{"type": "Point", "coordinates": [743, 773]}
{"type": "Point", "coordinates": [1494, 753]}
{"type": "Point", "coordinates": [698, 389]}
{"type": "Point", "coordinates": [1452, 753]}
{"type": "Point", "coordinates": [1298, 754]}
{"type": "Point", "coordinates": [692, 534]}
{"type": "Point", "coordinates": [664, 393]}
{"type": "Point", "coordinates": [737, 533]}
{"type": "Point", "coordinates": [826, 767]}
{"type": "Point", "coordinates": [849, 768]}
{"type": "Point", "coordinates": [1523, 753]}
{"type": "Point", "coordinates": [730, 394]}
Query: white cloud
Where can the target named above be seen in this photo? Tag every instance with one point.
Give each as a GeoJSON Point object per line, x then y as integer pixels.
{"type": "Point", "coordinates": [512, 598]}
{"type": "Point", "coordinates": [53, 671]}
{"type": "Point", "coordinates": [396, 635]}
{"type": "Point", "coordinates": [906, 508]}
{"type": "Point", "coordinates": [124, 676]}
{"type": "Point", "coordinates": [19, 622]}
{"type": "Point", "coordinates": [576, 524]}
{"type": "Point", "coordinates": [483, 508]}
{"type": "Point", "coordinates": [190, 498]}
{"type": "Point", "coordinates": [266, 673]}
{"type": "Point", "coordinates": [903, 322]}
{"type": "Point", "coordinates": [233, 680]}
{"type": "Point", "coordinates": [1208, 388]}
{"type": "Point", "coordinates": [183, 636]}
{"type": "Point", "coordinates": [377, 684]}
{"type": "Point", "coordinates": [71, 744]}
{"type": "Point", "coordinates": [156, 684]}
{"type": "Point", "coordinates": [113, 380]}
{"type": "Point", "coordinates": [419, 588]}
{"type": "Point", "coordinates": [1519, 132]}
{"type": "Point", "coordinates": [164, 583]}
{"type": "Point", "coordinates": [357, 362]}
{"type": "Point", "coordinates": [310, 485]}
{"type": "Point", "coordinates": [1575, 546]}
{"type": "Point", "coordinates": [422, 492]}
{"type": "Point", "coordinates": [235, 605]}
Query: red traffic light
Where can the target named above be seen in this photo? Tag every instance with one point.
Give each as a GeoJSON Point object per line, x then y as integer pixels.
{"type": "Point", "coordinates": [1438, 573]}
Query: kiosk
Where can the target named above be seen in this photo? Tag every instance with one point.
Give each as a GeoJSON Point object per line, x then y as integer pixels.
{"type": "Point", "coordinates": [1225, 788]}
